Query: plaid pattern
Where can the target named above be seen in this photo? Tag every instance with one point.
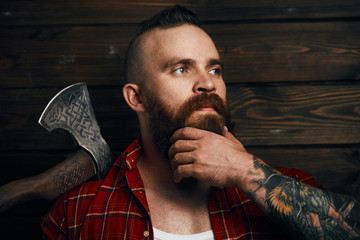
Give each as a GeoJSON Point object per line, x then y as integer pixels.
{"type": "Point", "coordinates": [116, 208]}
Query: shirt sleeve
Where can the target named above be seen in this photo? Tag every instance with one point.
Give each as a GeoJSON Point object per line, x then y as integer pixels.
{"type": "Point", "coordinates": [65, 219]}
{"type": "Point", "coordinates": [53, 224]}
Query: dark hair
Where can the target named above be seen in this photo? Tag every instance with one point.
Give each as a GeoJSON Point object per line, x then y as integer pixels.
{"type": "Point", "coordinates": [170, 17]}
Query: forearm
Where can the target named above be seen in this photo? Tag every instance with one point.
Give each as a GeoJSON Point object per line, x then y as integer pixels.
{"type": "Point", "coordinates": [303, 210]}
{"type": "Point", "coordinates": [74, 170]}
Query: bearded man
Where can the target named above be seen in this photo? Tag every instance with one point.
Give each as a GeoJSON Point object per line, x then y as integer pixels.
{"type": "Point", "coordinates": [187, 176]}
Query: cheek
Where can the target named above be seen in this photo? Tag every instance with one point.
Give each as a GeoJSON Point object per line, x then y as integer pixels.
{"type": "Point", "coordinates": [221, 91]}
{"type": "Point", "coordinates": [173, 94]}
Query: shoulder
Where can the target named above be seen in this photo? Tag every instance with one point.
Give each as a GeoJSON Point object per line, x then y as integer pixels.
{"type": "Point", "coordinates": [83, 192]}
{"type": "Point", "coordinates": [79, 196]}
{"type": "Point", "coordinates": [71, 205]}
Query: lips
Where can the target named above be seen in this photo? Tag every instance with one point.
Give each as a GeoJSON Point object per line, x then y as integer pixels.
{"type": "Point", "coordinates": [207, 109]}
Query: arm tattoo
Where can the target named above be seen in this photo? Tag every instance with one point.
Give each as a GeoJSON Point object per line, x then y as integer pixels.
{"type": "Point", "coordinates": [69, 176]}
{"type": "Point", "coordinates": [310, 212]}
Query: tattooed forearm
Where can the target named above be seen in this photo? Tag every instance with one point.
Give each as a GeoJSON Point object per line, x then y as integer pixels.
{"type": "Point", "coordinates": [74, 170]}
{"type": "Point", "coordinates": [69, 176]}
{"type": "Point", "coordinates": [312, 212]}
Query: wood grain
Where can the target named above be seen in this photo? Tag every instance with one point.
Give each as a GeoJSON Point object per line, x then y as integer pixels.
{"type": "Point", "coordinates": [92, 11]}
{"type": "Point", "coordinates": [290, 115]}
{"type": "Point", "coordinates": [289, 52]}
{"type": "Point", "coordinates": [264, 116]}
{"type": "Point", "coordinates": [21, 110]}
{"type": "Point", "coordinates": [266, 52]}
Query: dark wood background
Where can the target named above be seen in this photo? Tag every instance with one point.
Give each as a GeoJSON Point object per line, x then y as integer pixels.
{"type": "Point", "coordinates": [292, 68]}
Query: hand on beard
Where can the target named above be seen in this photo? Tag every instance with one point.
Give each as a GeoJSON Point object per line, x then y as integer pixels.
{"type": "Point", "coordinates": [218, 160]}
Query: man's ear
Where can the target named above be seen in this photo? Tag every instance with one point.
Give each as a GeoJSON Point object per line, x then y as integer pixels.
{"type": "Point", "coordinates": [132, 97]}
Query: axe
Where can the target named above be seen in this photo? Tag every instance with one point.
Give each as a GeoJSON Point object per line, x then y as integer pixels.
{"type": "Point", "coordinates": [71, 110]}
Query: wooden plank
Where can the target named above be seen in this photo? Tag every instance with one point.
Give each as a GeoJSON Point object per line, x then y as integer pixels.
{"type": "Point", "coordinates": [21, 110]}
{"type": "Point", "coordinates": [266, 115]}
{"type": "Point", "coordinates": [62, 56]}
{"type": "Point", "coordinates": [17, 165]}
{"type": "Point", "coordinates": [111, 11]}
{"type": "Point", "coordinates": [290, 115]}
{"type": "Point", "coordinates": [280, 52]}
{"type": "Point", "coordinates": [289, 52]}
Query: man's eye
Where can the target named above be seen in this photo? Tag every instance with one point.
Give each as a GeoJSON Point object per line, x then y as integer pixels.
{"type": "Point", "coordinates": [180, 70]}
{"type": "Point", "coordinates": [215, 71]}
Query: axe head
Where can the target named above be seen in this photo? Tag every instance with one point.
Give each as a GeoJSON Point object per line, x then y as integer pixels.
{"type": "Point", "coordinates": [71, 109]}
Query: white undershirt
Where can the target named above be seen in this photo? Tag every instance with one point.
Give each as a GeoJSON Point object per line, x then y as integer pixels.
{"type": "Point", "coordinates": [160, 235]}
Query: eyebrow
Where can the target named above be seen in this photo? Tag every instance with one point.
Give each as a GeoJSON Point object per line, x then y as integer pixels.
{"type": "Point", "coordinates": [188, 61]}
{"type": "Point", "coordinates": [175, 61]}
{"type": "Point", "coordinates": [214, 62]}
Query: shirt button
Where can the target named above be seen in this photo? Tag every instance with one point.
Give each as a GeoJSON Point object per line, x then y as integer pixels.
{"type": "Point", "coordinates": [146, 233]}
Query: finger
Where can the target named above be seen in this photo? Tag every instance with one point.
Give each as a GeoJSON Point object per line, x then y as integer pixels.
{"type": "Point", "coordinates": [183, 171]}
{"type": "Point", "coordinates": [181, 146]}
{"type": "Point", "coordinates": [182, 158]}
{"type": "Point", "coordinates": [187, 133]}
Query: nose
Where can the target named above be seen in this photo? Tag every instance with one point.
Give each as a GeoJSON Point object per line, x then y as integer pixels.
{"type": "Point", "coordinates": [204, 84]}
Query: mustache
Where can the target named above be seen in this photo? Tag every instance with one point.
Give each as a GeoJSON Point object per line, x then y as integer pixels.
{"type": "Point", "coordinates": [202, 101]}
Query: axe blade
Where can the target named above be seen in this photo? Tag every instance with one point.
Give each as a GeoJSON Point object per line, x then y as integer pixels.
{"type": "Point", "coordinates": [71, 110]}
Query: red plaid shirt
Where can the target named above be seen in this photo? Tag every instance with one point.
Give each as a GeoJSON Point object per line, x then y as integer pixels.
{"type": "Point", "coordinates": [116, 208]}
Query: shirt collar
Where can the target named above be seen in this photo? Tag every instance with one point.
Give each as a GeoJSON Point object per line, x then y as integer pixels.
{"type": "Point", "coordinates": [132, 153]}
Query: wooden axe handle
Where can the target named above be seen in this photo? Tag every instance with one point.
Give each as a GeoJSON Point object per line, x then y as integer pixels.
{"type": "Point", "coordinates": [71, 172]}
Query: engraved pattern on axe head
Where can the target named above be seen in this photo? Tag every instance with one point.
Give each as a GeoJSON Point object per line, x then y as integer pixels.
{"type": "Point", "coordinates": [72, 113]}
{"type": "Point", "coordinates": [71, 110]}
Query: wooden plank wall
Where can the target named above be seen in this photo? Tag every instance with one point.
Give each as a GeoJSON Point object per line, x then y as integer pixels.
{"type": "Point", "coordinates": [292, 68]}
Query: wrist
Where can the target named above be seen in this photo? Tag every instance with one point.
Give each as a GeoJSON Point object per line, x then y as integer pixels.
{"type": "Point", "coordinates": [249, 176]}
{"type": "Point", "coordinates": [257, 178]}
{"type": "Point", "coordinates": [269, 182]}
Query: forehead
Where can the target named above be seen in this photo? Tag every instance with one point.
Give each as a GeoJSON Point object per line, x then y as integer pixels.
{"type": "Point", "coordinates": [185, 41]}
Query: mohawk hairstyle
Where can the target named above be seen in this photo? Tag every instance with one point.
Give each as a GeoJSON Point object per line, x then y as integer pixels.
{"type": "Point", "coordinates": [170, 17]}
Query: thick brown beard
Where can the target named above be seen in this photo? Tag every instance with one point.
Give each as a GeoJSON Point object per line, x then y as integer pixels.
{"type": "Point", "coordinates": [164, 121]}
